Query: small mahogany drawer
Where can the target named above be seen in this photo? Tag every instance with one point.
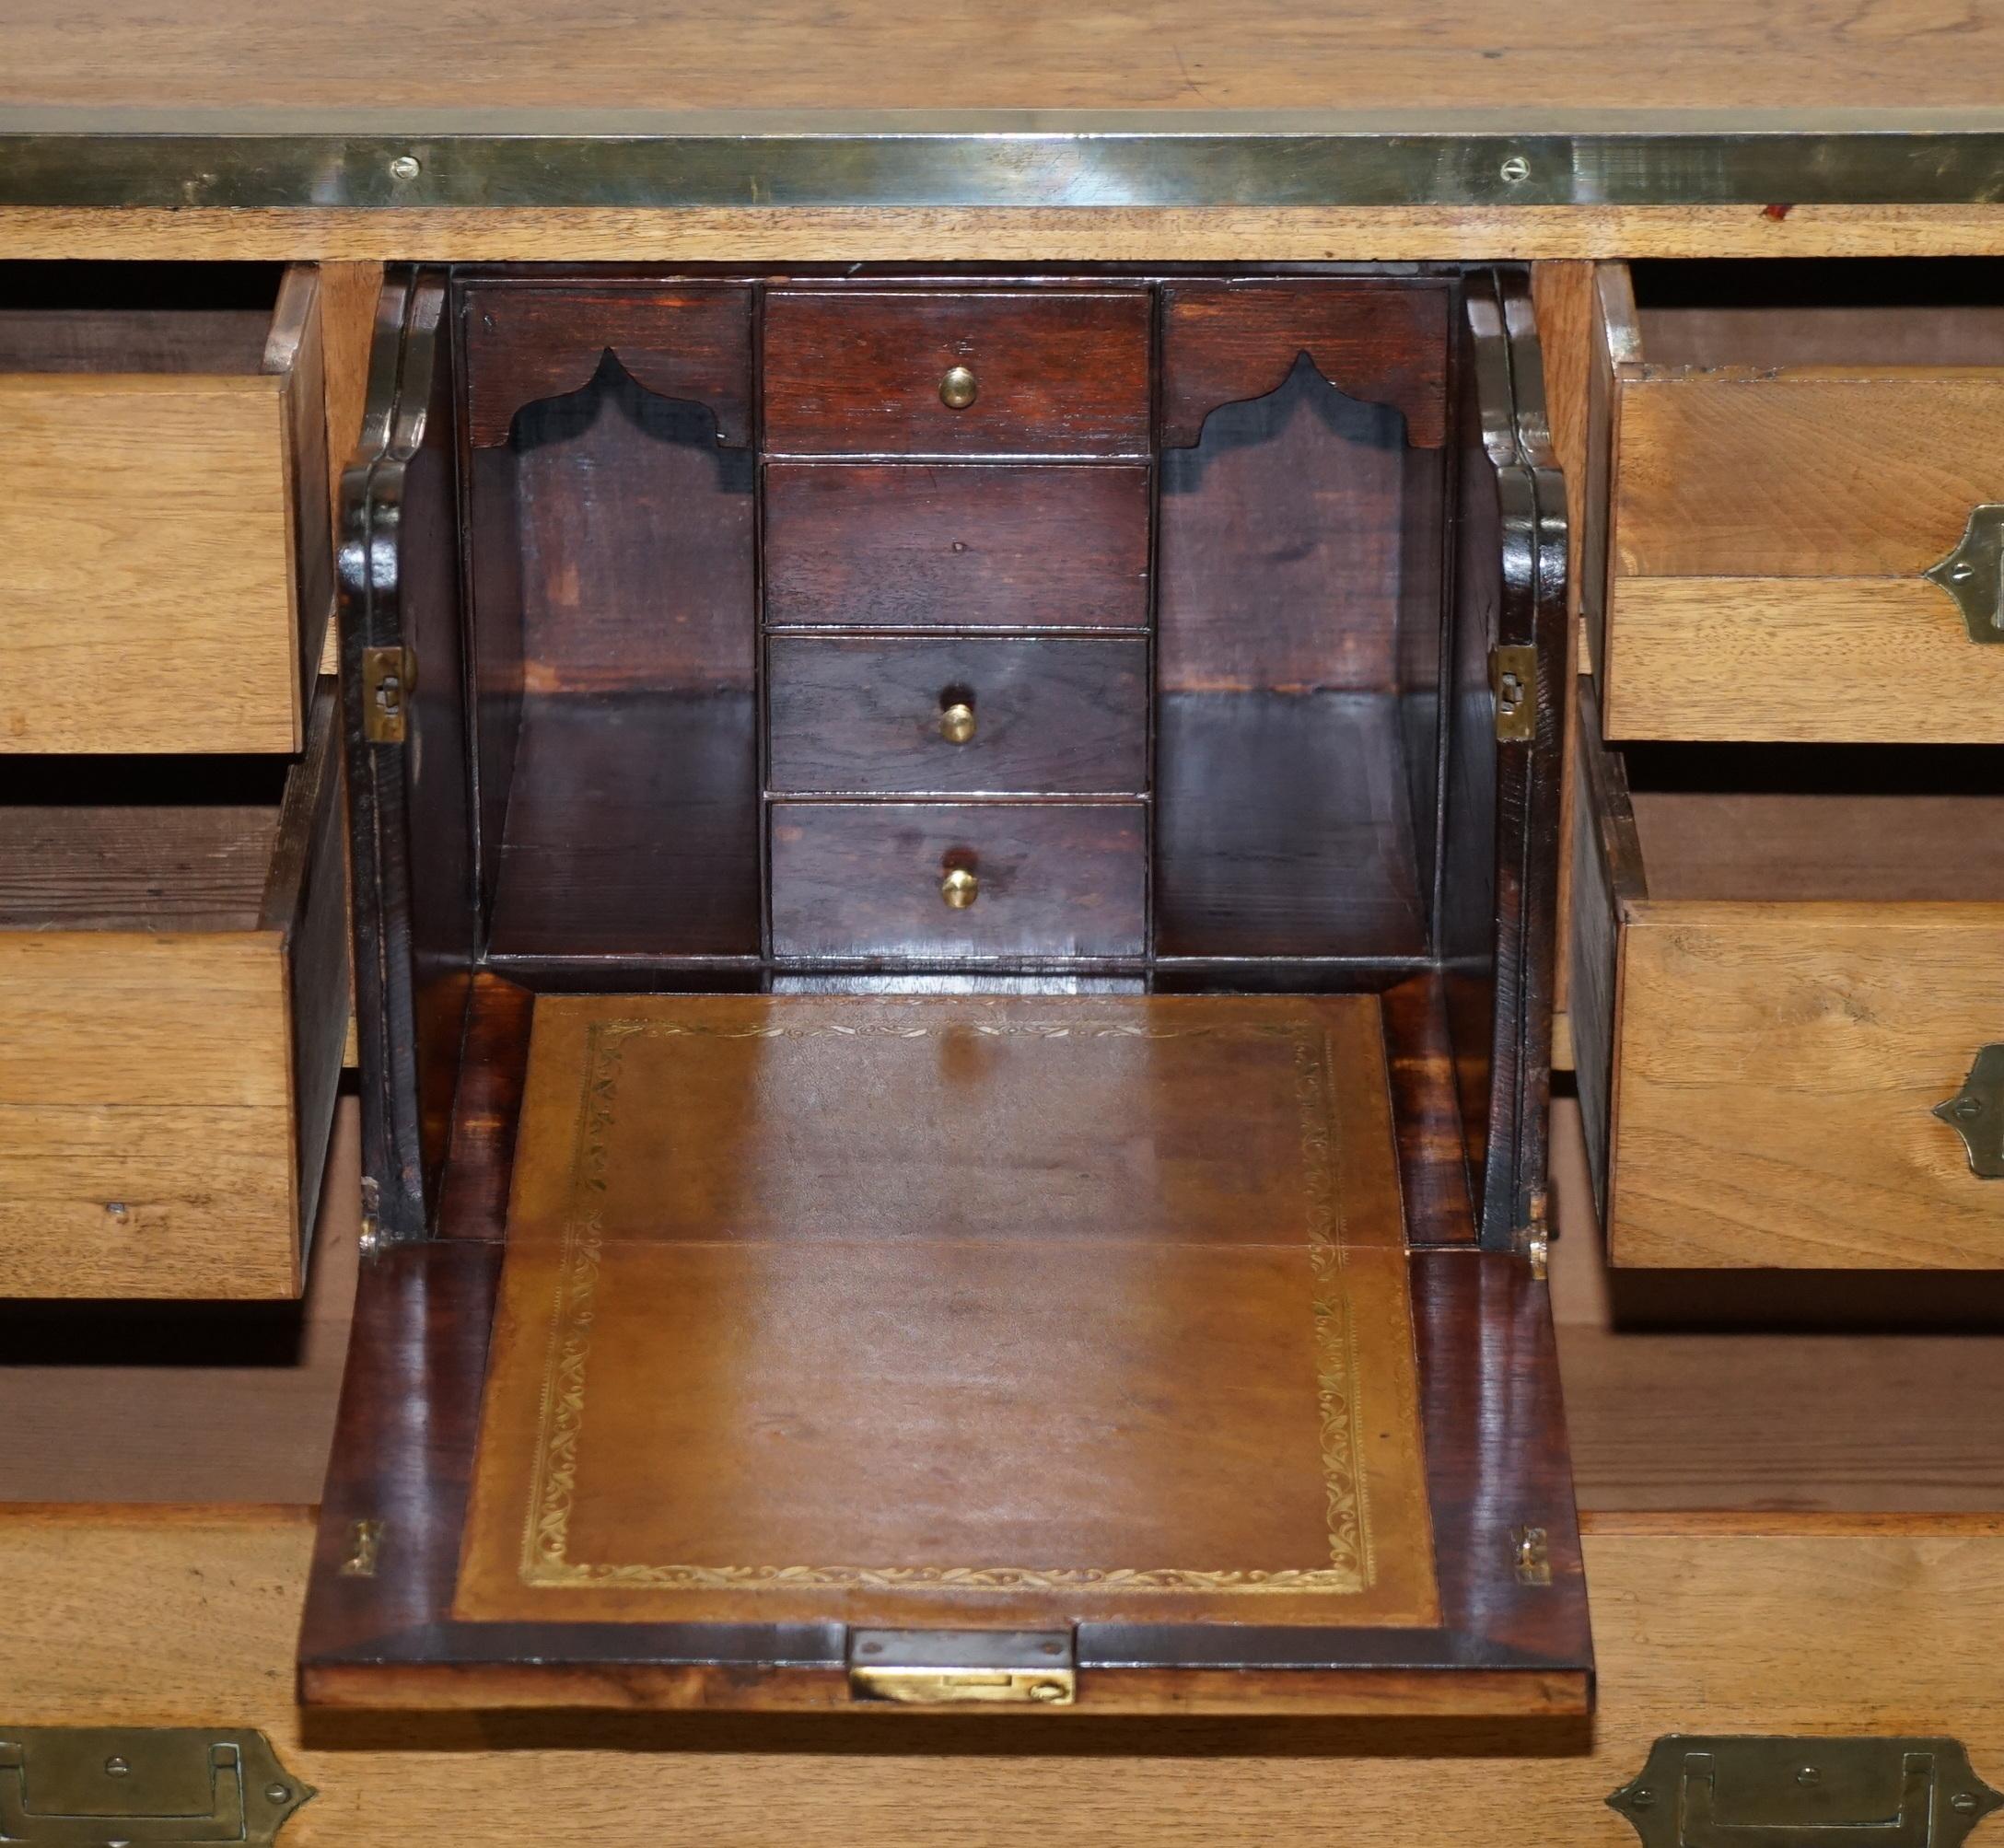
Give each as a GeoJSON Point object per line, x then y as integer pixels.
{"type": "Point", "coordinates": [1779, 977]}
{"type": "Point", "coordinates": [887, 545]}
{"type": "Point", "coordinates": [972, 372]}
{"type": "Point", "coordinates": [173, 1004]}
{"type": "Point", "coordinates": [937, 879]}
{"type": "Point", "coordinates": [884, 716]}
{"type": "Point", "coordinates": [1799, 539]}
{"type": "Point", "coordinates": [166, 568]}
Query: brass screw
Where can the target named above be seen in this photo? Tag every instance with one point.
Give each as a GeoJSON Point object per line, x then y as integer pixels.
{"type": "Point", "coordinates": [1047, 1690]}
{"type": "Point", "coordinates": [957, 722]}
{"type": "Point", "coordinates": [116, 1767]}
{"type": "Point", "coordinates": [960, 887]}
{"type": "Point", "coordinates": [958, 389]}
{"type": "Point", "coordinates": [278, 1793]}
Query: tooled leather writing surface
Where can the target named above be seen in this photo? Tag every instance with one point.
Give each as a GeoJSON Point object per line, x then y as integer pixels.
{"type": "Point", "coordinates": [1018, 1311]}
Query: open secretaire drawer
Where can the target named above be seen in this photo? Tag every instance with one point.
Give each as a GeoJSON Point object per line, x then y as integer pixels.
{"type": "Point", "coordinates": [173, 1006]}
{"type": "Point", "coordinates": [1093, 1261]}
{"type": "Point", "coordinates": [166, 579]}
{"type": "Point", "coordinates": [1795, 502]}
{"type": "Point", "coordinates": [1785, 1003]}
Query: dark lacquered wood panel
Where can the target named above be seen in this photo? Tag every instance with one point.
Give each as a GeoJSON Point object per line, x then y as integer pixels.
{"type": "Point", "coordinates": [1284, 828]}
{"type": "Point", "coordinates": [858, 371]}
{"type": "Point", "coordinates": [635, 550]}
{"type": "Point", "coordinates": [634, 828]}
{"type": "Point", "coordinates": [1383, 342]}
{"type": "Point", "coordinates": [853, 879]}
{"type": "Point", "coordinates": [692, 343]}
{"type": "Point", "coordinates": [968, 546]}
{"type": "Point", "coordinates": [404, 1455]}
{"type": "Point", "coordinates": [880, 716]}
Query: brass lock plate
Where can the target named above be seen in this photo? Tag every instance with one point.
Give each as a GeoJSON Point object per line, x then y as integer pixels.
{"type": "Point", "coordinates": [1513, 679]}
{"type": "Point", "coordinates": [1976, 1113]}
{"type": "Point", "coordinates": [141, 1786]}
{"type": "Point", "coordinates": [1973, 573]}
{"type": "Point", "coordinates": [964, 1668]}
{"type": "Point", "coordinates": [388, 676]}
{"type": "Point", "coordinates": [1805, 1793]}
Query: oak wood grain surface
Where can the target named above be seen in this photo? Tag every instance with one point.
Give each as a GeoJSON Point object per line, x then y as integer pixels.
{"type": "Point", "coordinates": [1777, 1070]}
{"type": "Point", "coordinates": [167, 1062]}
{"type": "Point", "coordinates": [1865, 660]}
{"type": "Point", "coordinates": [1569, 58]}
{"type": "Point", "coordinates": [1770, 523]}
{"type": "Point", "coordinates": [152, 1617]}
{"type": "Point", "coordinates": [175, 1406]}
{"type": "Point", "coordinates": [1803, 473]}
{"type": "Point", "coordinates": [991, 235]}
{"type": "Point", "coordinates": [146, 529]}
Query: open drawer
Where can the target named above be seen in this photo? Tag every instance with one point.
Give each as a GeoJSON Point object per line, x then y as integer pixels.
{"type": "Point", "coordinates": [1801, 467]}
{"type": "Point", "coordinates": [956, 1321]}
{"type": "Point", "coordinates": [1785, 997]}
{"type": "Point", "coordinates": [165, 576]}
{"type": "Point", "coordinates": [173, 1004]}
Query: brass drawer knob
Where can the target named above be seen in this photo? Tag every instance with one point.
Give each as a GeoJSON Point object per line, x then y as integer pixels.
{"type": "Point", "coordinates": [956, 722]}
{"type": "Point", "coordinates": [958, 389]}
{"type": "Point", "coordinates": [960, 887]}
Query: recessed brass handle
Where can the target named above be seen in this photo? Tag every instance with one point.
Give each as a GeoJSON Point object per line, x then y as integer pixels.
{"type": "Point", "coordinates": [958, 389]}
{"type": "Point", "coordinates": [960, 887]}
{"type": "Point", "coordinates": [956, 722]}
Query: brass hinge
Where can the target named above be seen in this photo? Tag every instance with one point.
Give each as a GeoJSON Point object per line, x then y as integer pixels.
{"type": "Point", "coordinates": [953, 1667]}
{"type": "Point", "coordinates": [388, 676]}
{"type": "Point", "coordinates": [1513, 678]}
{"type": "Point", "coordinates": [141, 1786]}
{"type": "Point", "coordinates": [1530, 1553]}
{"type": "Point", "coordinates": [1777, 1793]}
{"type": "Point", "coordinates": [1534, 1238]}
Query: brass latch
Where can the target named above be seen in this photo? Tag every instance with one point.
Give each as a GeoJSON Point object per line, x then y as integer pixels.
{"type": "Point", "coordinates": [141, 1786]}
{"type": "Point", "coordinates": [1513, 678]}
{"type": "Point", "coordinates": [952, 1667]}
{"type": "Point", "coordinates": [1973, 573]}
{"type": "Point", "coordinates": [1976, 1113]}
{"type": "Point", "coordinates": [1805, 1793]}
{"type": "Point", "coordinates": [388, 676]}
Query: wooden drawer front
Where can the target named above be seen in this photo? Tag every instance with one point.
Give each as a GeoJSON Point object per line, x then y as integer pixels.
{"type": "Point", "coordinates": [1776, 1075]}
{"type": "Point", "coordinates": [1769, 530]}
{"type": "Point", "coordinates": [1053, 374]}
{"type": "Point", "coordinates": [891, 546]}
{"type": "Point", "coordinates": [865, 879]}
{"type": "Point", "coordinates": [173, 1004]}
{"type": "Point", "coordinates": [1759, 1077]}
{"type": "Point", "coordinates": [1061, 717]}
{"type": "Point", "coordinates": [166, 573]}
